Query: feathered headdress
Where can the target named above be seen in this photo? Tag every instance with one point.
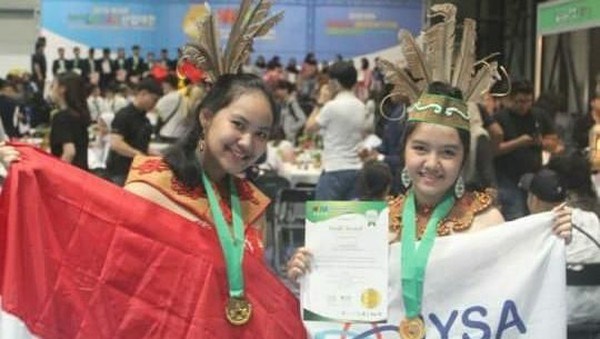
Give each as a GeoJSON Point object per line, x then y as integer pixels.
{"type": "Point", "coordinates": [437, 60]}
{"type": "Point", "coordinates": [205, 52]}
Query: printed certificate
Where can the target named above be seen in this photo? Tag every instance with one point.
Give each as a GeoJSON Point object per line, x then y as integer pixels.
{"type": "Point", "coordinates": [349, 269]}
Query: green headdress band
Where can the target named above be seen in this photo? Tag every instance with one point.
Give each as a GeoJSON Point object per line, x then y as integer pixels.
{"type": "Point", "coordinates": [440, 110]}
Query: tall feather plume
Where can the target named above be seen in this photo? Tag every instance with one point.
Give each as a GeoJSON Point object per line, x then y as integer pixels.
{"type": "Point", "coordinates": [204, 52]}
{"type": "Point", "coordinates": [239, 39]}
{"type": "Point", "coordinates": [212, 40]}
{"type": "Point", "coordinates": [251, 22]}
{"type": "Point", "coordinates": [436, 61]}
{"type": "Point", "coordinates": [237, 28]}
{"type": "Point", "coordinates": [261, 10]}
{"type": "Point", "coordinates": [401, 80]}
{"type": "Point", "coordinates": [485, 77]}
{"type": "Point", "coordinates": [463, 66]}
{"type": "Point", "coordinates": [260, 29]}
{"type": "Point", "coordinates": [439, 40]}
{"type": "Point", "coordinates": [415, 59]}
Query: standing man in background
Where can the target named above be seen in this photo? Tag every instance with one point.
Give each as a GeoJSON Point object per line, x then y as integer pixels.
{"type": "Point", "coordinates": [39, 66]}
{"type": "Point", "coordinates": [172, 111]}
{"type": "Point", "coordinates": [135, 65]}
{"type": "Point", "coordinates": [165, 61]}
{"type": "Point", "coordinates": [520, 151]}
{"type": "Point", "coordinates": [106, 68]}
{"type": "Point", "coordinates": [61, 64]}
{"type": "Point", "coordinates": [76, 65]}
{"type": "Point", "coordinates": [89, 67]}
{"type": "Point", "coordinates": [131, 131]}
{"type": "Point", "coordinates": [341, 122]}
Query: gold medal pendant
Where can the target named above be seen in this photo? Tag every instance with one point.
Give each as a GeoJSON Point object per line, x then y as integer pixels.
{"type": "Point", "coordinates": [413, 328]}
{"type": "Point", "coordinates": [238, 310]}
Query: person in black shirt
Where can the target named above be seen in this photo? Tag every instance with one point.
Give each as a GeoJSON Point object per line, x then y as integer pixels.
{"type": "Point", "coordinates": [520, 152]}
{"type": "Point", "coordinates": [584, 123]}
{"type": "Point", "coordinates": [61, 64]}
{"type": "Point", "coordinates": [390, 150]}
{"type": "Point", "coordinates": [131, 131]}
{"type": "Point", "coordinates": [39, 67]}
{"type": "Point", "coordinates": [106, 68]}
{"type": "Point", "coordinates": [68, 128]}
{"type": "Point", "coordinates": [135, 64]}
{"type": "Point", "coordinates": [8, 109]}
{"type": "Point", "coordinates": [165, 61]}
{"type": "Point", "coordinates": [76, 64]}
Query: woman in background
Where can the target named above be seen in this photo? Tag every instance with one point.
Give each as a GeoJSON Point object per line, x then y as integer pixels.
{"type": "Point", "coordinates": [68, 128]}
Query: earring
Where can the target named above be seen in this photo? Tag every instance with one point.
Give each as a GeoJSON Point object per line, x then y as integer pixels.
{"type": "Point", "coordinates": [201, 145]}
{"type": "Point", "coordinates": [406, 180]}
{"type": "Point", "coordinates": [459, 187]}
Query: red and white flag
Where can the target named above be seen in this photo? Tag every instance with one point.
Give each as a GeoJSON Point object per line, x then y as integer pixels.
{"type": "Point", "coordinates": [82, 258]}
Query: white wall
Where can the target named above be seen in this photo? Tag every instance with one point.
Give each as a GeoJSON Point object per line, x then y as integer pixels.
{"type": "Point", "coordinates": [19, 24]}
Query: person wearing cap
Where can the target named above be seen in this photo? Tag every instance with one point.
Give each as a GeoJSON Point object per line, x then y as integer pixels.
{"type": "Point", "coordinates": [131, 130]}
{"type": "Point", "coordinates": [544, 190]}
{"type": "Point", "coordinates": [547, 190]}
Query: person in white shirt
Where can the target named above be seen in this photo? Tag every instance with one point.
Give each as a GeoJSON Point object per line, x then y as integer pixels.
{"type": "Point", "coordinates": [342, 123]}
{"type": "Point", "coordinates": [172, 111]}
{"type": "Point", "coordinates": [96, 103]}
{"type": "Point", "coordinates": [116, 97]}
{"type": "Point", "coordinates": [100, 146]}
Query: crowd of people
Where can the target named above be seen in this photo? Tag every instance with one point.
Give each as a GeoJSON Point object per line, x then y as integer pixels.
{"type": "Point", "coordinates": [509, 159]}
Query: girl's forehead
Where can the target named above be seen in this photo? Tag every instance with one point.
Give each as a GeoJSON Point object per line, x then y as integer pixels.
{"type": "Point", "coordinates": [252, 106]}
{"type": "Point", "coordinates": [435, 134]}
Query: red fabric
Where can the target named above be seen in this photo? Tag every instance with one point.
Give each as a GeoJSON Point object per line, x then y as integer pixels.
{"type": "Point", "coordinates": [82, 258]}
{"type": "Point", "coordinates": [159, 72]}
{"type": "Point", "coordinates": [186, 69]}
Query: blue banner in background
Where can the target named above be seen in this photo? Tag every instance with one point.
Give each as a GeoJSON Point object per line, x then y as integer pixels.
{"type": "Point", "coordinates": [352, 31]}
{"type": "Point", "coordinates": [308, 25]}
{"type": "Point", "coordinates": [102, 24]}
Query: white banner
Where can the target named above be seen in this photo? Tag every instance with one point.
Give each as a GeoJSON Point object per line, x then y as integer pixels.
{"type": "Point", "coordinates": [504, 282]}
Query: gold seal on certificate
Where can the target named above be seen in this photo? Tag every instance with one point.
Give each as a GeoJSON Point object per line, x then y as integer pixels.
{"type": "Point", "coordinates": [370, 298]}
{"type": "Point", "coordinates": [413, 328]}
{"type": "Point", "coordinates": [238, 310]}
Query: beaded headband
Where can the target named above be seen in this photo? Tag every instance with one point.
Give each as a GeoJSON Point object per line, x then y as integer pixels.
{"type": "Point", "coordinates": [441, 110]}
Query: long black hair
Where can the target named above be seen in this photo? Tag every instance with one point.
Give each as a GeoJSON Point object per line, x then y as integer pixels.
{"type": "Point", "coordinates": [182, 157]}
{"type": "Point", "coordinates": [76, 94]}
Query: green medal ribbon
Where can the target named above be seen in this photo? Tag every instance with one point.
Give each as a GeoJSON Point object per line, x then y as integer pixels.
{"type": "Point", "coordinates": [233, 247]}
{"type": "Point", "coordinates": [414, 260]}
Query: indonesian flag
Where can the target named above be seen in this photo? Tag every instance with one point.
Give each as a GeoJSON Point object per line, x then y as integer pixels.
{"type": "Point", "coordinates": [82, 258]}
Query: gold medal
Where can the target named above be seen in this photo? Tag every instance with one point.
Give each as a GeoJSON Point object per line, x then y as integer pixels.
{"type": "Point", "coordinates": [238, 310]}
{"type": "Point", "coordinates": [370, 298]}
{"type": "Point", "coordinates": [413, 328]}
